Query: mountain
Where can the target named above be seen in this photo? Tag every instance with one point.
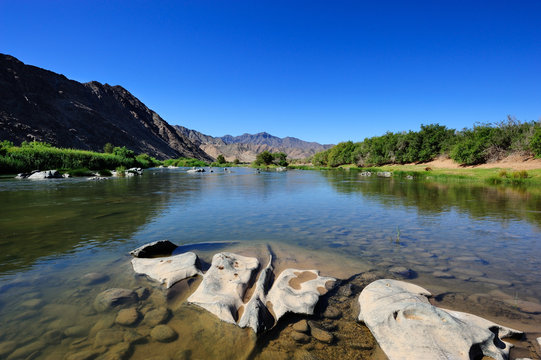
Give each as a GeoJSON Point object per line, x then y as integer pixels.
{"type": "Point", "coordinates": [37, 104]}
{"type": "Point", "coordinates": [246, 147]}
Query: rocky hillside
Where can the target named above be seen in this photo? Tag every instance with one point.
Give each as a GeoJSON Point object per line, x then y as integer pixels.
{"type": "Point", "coordinates": [36, 104]}
{"type": "Point", "coordinates": [246, 147]}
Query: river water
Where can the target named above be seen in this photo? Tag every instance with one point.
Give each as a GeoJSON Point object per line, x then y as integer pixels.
{"type": "Point", "coordinates": [476, 248]}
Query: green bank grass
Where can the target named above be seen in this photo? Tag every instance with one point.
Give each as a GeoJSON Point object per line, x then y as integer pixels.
{"type": "Point", "coordinates": [42, 156]}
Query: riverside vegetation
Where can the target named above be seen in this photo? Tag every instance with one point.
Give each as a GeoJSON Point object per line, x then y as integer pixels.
{"type": "Point", "coordinates": [482, 143]}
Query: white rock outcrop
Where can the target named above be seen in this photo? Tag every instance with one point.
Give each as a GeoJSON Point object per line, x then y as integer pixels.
{"type": "Point", "coordinates": [167, 270]}
{"type": "Point", "coordinates": [407, 326]}
{"type": "Point", "coordinates": [297, 291]}
{"type": "Point", "coordinates": [223, 286]}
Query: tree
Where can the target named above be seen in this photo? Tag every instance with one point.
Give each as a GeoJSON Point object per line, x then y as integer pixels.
{"type": "Point", "coordinates": [124, 152]}
{"type": "Point", "coordinates": [264, 158]}
{"type": "Point", "coordinates": [220, 159]}
{"type": "Point", "coordinates": [280, 159]}
{"type": "Point", "coordinates": [236, 162]}
{"type": "Point", "coordinates": [108, 148]}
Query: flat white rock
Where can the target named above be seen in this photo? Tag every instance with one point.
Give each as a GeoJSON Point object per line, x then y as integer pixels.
{"type": "Point", "coordinates": [167, 270]}
{"type": "Point", "coordinates": [224, 285]}
{"type": "Point", "coordinates": [407, 326]}
{"type": "Point", "coordinates": [302, 297]}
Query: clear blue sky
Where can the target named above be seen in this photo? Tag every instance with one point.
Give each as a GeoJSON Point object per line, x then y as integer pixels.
{"type": "Point", "coordinates": [324, 71]}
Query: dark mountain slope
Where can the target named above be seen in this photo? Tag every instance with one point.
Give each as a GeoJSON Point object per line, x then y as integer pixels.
{"type": "Point", "coordinates": [36, 104]}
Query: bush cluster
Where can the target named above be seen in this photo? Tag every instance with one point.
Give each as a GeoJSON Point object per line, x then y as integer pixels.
{"type": "Point", "coordinates": [184, 162]}
{"type": "Point", "coordinates": [42, 156]}
{"type": "Point", "coordinates": [480, 144]}
{"type": "Point", "coordinates": [268, 158]}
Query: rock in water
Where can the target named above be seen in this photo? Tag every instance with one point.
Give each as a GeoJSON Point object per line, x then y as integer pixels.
{"type": "Point", "coordinates": [296, 291]}
{"type": "Point", "coordinates": [114, 297]}
{"type": "Point", "coordinates": [48, 174]}
{"type": "Point", "coordinates": [167, 270]}
{"type": "Point", "coordinates": [407, 326]}
{"type": "Point", "coordinates": [256, 315]}
{"type": "Point", "coordinates": [163, 333]}
{"type": "Point", "coordinates": [127, 317]}
{"type": "Point", "coordinates": [153, 249]}
{"type": "Point", "coordinates": [224, 284]}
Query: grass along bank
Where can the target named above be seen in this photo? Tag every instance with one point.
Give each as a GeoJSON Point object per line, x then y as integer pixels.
{"type": "Point", "coordinates": [423, 172]}
{"type": "Point", "coordinates": [42, 156]}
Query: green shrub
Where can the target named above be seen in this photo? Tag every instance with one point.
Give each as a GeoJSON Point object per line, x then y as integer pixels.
{"type": "Point", "coordinates": [503, 174]}
{"type": "Point", "coordinates": [81, 172]}
{"type": "Point", "coordinates": [522, 174]}
{"type": "Point", "coordinates": [105, 172]}
{"type": "Point", "coordinates": [120, 171]}
{"type": "Point", "coordinates": [220, 159]}
{"type": "Point", "coordinates": [535, 143]}
{"type": "Point", "coordinates": [108, 148]}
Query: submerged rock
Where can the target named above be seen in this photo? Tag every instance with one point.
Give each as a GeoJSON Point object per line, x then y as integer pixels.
{"type": "Point", "coordinates": [301, 326]}
{"type": "Point", "coordinates": [127, 317]}
{"type": "Point", "coordinates": [94, 278]}
{"type": "Point", "coordinates": [156, 316]}
{"type": "Point", "coordinates": [163, 333]}
{"type": "Point", "coordinates": [154, 249]}
{"type": "Point", "coordinates": [167, 270]}
{"type": "Point", "coordinates": [321, 334]}
{"type": "Point", "coordinates": [407, 326]}
{"type": "Point", "coordinates": [111, 298]}
{"type": "Point", "coordinates": [224, 284]}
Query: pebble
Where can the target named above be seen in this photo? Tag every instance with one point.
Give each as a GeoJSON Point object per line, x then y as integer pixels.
{"type": "Point", "coordinates": [27, 350]}
{"type": "Point", "coordinates": [118, 351]}
{"type": "Point", "coordinates": [127, 317]}
{"type": "Point", "coordinates": [442, 275]}
{"type": "Point", "coordinates": [301, 326]}
{"type": "Point", "coordinates": [32, 303]}
{"type": "Point", "coordinates": [76, 331]}
{"type": "Point", "coordinates": [94, 278]}
{"type": "Point", "coordinates": [345, 290]}
{"type": "Point", "coordinates": [108, 337]}
{"type": "Point", "coordinates": [332, 313]}
{"type": "Point", "coordinates": [84, 355]}
{"type": "Point", "coordinates": [320, 334]}
{"type": "Point", "coordinates": [52, 337]}
{"type": "Point", "coordinates": [163, 333]}
{"type": "Point", "coordinates": [401, 272]}
{"type": "Point", "coordinates": [156, 316]}
{"type": "Point", "coordinates": [114, 297]}
{"type": "Point", "coordinates": [300, 337]}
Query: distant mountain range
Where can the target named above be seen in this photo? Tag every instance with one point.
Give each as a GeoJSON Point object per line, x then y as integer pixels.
{"type": "Point", "coordinates": [246, 147]}
{"type": "Point", "coordinates": [37, 104]}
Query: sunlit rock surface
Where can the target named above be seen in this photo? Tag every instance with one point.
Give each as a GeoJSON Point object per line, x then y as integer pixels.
{"type": "Point", "coordinates": [407, 326]}
{"type": "Point", "coordinates": [167, 270]}
{"type": "Point", "coordinates": [255, 314]}
{"type": "Point", "coordinates": [297, 291]}
{"type": "Point", "coordinates": [224, 284]}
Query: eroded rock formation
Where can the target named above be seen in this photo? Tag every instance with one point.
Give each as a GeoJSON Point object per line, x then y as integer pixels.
{"type": "Point", "coordinates": [407, 326]}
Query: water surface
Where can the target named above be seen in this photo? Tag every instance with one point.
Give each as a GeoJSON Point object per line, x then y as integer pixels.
{"type": "Point", "coordinates": [467, 244]}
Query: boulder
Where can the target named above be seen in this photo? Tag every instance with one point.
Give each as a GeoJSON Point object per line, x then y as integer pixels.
{"type": "Point", "coordinates": [134, 171]}
{"type": "Point", "coordinates": [167, 270]}
{"type": "Point", "coordinates": [115, 297]}
{"type": "Point", "coordinates": [296, 291]}
{"type": "Point", "coordinates": [407, 326]}
{"type": "Point", "coordinates": [224, 284]}
{"type": "Point", "coordinates": [154, 249]}
{"type": "Point", "coordinates": [256, 315]}
{"type": "Point", "coordinates": [193, 171]}
{"type": "Point", "coordinates": [47, 174]}
{"type": "Point", "coordinates": [384, 174]}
